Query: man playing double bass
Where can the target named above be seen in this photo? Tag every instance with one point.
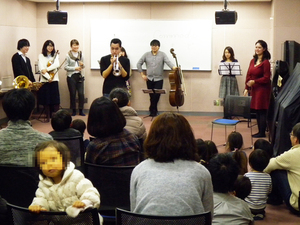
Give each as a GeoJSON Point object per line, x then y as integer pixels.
{"type": "Point", "coordinates": [155, 61]}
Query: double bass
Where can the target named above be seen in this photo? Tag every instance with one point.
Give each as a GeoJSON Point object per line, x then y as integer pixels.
{"type": "Point", "coordinates": [176, 97]}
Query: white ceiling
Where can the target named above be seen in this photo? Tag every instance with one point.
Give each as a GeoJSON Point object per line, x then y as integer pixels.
{"type": "Point", "coordinates": [149, 0]}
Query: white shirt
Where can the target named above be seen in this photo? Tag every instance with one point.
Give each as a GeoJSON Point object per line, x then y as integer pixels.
{"type": "Point", "coordinates": [23, 55]}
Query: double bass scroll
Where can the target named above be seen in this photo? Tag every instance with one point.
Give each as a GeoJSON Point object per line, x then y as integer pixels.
{"type": "Point", "coordinates": [176, 97]}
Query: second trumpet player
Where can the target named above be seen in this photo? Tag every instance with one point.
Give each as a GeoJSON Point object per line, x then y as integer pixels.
{"type": "Point", "coordinates": [115, 69]}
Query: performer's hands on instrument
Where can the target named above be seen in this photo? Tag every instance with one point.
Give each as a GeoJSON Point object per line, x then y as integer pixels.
{"type": "Point", "coordinates": [144, 76]}
{"type": "Point", "coordinates": [112, 60]}
{"type": "Point", "coordinates": [78, 68]}
{"type": "Point", "coordinates": [174, 68]}
{"type": "Point", "coordinates": [44, 71]}
{"type": "Point", "coordinates": [250, 83]}
{"type": "Point", "coordinates": [246, 92]}
{"type": "Point", "coordinates": [80, 63]}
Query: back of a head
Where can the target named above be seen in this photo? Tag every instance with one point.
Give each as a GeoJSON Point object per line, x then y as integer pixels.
{"type": "Point", "coordinates": [202, 150]}
{"type": "Point", "coordinates": [79, 125]}
{"type": "Point", "coordinates": [212, 148]}
{"type": "Point", "coordinates": [224, 171]}
{"type": "Point", "coordinates": [170, 137]}
{"type": "Point", "coordinates": [105, 118]}
{"type": "Point", "coordinates": [296, 131]}
{"type": "Point", "coordinates": [259, 159]}
{"type": "Point", "coordinates": [61, 120]}
{"type": "Point", "coordinates": [120, 96]}
{"type": "Point", "coordinates": [18, 104]}
{"type": "Point", "coordinates": [235, 141]}
{"type": "Point", "coordinates": [242, 187]}
{"type": "Point", "coordinates": [264, 145]}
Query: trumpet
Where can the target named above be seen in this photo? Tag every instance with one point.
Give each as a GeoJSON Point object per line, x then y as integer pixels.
{"type": "Point", "coordinates": [116, 67]}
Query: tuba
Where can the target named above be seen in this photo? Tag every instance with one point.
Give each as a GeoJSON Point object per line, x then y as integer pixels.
{"type": "Point", "coordinates": [116, 68]}
{"type": "Point", "coordinates": [23, 82]}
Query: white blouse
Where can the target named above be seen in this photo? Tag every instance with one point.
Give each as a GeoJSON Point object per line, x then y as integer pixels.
{"type": "Point", "coordinates": [43, 61]}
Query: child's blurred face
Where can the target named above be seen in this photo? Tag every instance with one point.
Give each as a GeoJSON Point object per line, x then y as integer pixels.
{"type": "Point", "coordinates": [51, 163]}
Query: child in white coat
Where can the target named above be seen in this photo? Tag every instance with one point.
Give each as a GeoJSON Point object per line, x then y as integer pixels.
{"type": "Point", "coordinates": [61, 186]}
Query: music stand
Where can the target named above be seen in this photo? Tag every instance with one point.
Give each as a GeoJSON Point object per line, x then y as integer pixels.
{"type": "Point", "coordinates": [229, 69]}
{"type": "Point", "coordinates": [153, 91]}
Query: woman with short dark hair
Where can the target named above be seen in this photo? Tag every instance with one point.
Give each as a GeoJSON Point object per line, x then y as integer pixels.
{"type": "Point", "coordinates": [113, 145]}
{"type": "Point", "coordinates": [170, 182]}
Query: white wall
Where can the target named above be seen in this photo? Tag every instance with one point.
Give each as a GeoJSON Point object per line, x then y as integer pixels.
{"type": "Point", "coordinates": [202, 87]}
{"type": "Point", "coordinates": [17, 20]}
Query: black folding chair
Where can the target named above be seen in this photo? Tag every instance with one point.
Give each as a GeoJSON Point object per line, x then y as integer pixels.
{"type": "Point", "coordinates": [124, 217]}
{"type": "Point", "coordinates": [22, 216]}
{"type": "Point", "coordinates": [113, 184]}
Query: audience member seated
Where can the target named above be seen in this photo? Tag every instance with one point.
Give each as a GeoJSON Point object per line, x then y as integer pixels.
{"type": "Point", "coordinates": [61, 187]}
{"type": "Point", "coordinates": [264, 145]}
{"type": "Point", "coordinates": [170, 181]}
{"type": "Point", "coordinates": [134, 124]}
{"type": "Point", "coordinates": [261, 183]}
{"type": "Point", "coordinates": [233, 146]}
{"type": "Point", "coordinates": [242, 187]}
{"type": "Point", "coordinates": [206, 150]}
{"type": "Point", "coordinates": [113, 145]}
{"type": "Point", "coordinates": [228, 209]}
{"type": "Point", "coordinates": [61, 122]}
{"type": "Point", "coordinates": [285, 173]}
{"type": "Point", "coordinates": [212, 147]}
{"type": "Point", "coordinates": [19, 139]}
{"type": "Point", "coordinates": [80, 125]}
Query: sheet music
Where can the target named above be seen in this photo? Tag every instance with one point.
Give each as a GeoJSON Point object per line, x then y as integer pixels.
{"type": "Point", "coordinates": [229, 68]}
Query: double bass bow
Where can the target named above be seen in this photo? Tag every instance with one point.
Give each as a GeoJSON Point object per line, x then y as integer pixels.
{"type": "Point", "coordinates": [176, 97]}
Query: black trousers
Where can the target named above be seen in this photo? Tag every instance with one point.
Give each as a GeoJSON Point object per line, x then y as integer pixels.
{"type": "Point", "coordinates": [154, 98]}
{"type": "Point", "coordinates": [76, 84]}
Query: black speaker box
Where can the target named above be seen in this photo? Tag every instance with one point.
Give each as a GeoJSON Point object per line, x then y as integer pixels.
{"type": "Point", "coordinates": [57, 17]}
{"type": "Point", "coordinates": [226, 17]}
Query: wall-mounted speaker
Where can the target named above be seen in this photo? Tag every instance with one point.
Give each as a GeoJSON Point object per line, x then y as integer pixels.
{"type": "Point", "coordinates": [57, 17]}
{"type": "Point", "coordinates": [226, 17]}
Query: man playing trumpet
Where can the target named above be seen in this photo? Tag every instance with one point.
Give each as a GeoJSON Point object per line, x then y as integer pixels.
{"type": "Point", "coordinates": [115, 69]}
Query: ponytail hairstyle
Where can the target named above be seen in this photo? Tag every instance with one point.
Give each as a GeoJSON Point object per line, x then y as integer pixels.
{"type": "Point", "coordinates": [241, 158]}
{"type": "Point", "coordinates": [234, 144]}
{"type": "Point", "coordinates": [234, 141]}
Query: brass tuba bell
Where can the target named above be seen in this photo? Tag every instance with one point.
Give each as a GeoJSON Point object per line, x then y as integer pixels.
{"type": "Point", "coordinates": [21, 82]}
